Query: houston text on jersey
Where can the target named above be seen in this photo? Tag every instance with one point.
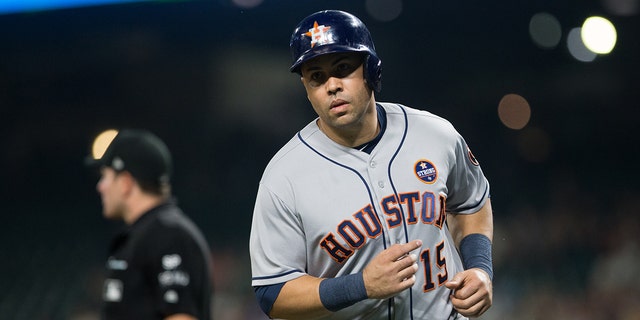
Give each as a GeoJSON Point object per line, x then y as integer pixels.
{"type": "Point", "coordinates": [414, 206]}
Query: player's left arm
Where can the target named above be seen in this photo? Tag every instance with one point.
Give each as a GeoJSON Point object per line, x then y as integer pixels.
{"type": "Point", "coordinates": [472, 291]}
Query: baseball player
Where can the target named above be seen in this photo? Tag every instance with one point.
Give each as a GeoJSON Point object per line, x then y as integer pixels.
{"type": "Point", "coordinates": [373, 210]}
{"type": "Point", "coordinates": [159, 265]}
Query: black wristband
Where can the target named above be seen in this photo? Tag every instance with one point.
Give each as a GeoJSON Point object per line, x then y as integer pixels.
{"type": "Point", "coordinates": [475, 250]}
{"type": "Point", "coordinates": [341, 292]}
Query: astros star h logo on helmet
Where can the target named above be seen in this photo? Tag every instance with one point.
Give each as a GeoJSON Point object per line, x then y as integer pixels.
{"type": "Point", "coordinates": [319, 34]}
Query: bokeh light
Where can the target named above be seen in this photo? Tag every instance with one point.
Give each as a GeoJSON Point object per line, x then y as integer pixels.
{"type": "Point", "coordinates": [384, 10]}
{"type": "Point", "coordinates": [622, 7]}
{"type": "Point", "coordinates": [247, 4]}
{"type": "Point", "coordinates": [101, 142]}
{"type": "Point", "coordinates": [514, 111]}
{"type": "Point", "coordinates": [576, 47]}
{"type": "Point", "coordinates": [545, 30]}
{"type": "Point", "coordinates": [599, 35]}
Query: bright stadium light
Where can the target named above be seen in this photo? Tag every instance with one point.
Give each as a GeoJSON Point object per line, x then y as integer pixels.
{"type": "Point", "coordinates": [599, 35]}
{"type": "Point", "coordinates": [17, 6]}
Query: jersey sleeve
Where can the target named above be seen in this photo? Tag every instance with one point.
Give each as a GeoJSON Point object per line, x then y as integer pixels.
{"type": "Point", "coordinates": [467, 185]}
{"type": "Point", "coordinates": [277, 242]}
{"type": "Point", "coordinates": [175, 269]}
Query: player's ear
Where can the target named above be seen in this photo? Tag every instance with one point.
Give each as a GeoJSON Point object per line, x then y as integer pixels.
{"type": "Point", "coordinates": [127, 181]}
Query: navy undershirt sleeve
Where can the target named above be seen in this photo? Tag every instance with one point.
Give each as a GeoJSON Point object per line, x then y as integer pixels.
{"type": "Point", "coordinates": [267, 295]}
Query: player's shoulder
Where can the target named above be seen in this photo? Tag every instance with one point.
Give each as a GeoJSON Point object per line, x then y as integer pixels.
{"type": "Point", "coordinates": [291, 153]}
{"type": "Point", "coordinates": [423, 118]}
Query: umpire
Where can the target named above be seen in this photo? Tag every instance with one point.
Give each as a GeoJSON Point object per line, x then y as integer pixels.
{"type": "Point", "coordinates": [159, 265]}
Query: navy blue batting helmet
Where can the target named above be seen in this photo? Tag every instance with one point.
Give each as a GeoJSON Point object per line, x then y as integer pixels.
{"type": "Point", "coordinates": [332, 31]}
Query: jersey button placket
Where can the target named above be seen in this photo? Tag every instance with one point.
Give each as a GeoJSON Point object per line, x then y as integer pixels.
{"type": "Point", "coordinates": [373, 164]}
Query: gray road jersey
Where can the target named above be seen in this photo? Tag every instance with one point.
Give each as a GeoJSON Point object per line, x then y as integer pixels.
{"type": "Point", "coordinates": [326, 210]}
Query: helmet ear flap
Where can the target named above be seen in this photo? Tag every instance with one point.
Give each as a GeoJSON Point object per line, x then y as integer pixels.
{"type": "Point", "coordinates": [373, 72]}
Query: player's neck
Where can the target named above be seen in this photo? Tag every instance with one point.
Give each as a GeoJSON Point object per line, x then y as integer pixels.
{"type": "Point", "coordinates": [352, 136]}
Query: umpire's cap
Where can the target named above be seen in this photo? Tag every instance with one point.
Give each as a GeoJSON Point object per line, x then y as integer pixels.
{"type": "Point", "coordinates": [139, 152]}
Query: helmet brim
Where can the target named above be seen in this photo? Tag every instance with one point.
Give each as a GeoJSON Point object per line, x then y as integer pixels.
{"type": "Point", "coordinates": [323, 50]}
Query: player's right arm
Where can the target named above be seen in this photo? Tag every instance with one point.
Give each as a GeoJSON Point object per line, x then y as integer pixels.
{"type": "Point", "coordinates": [299, 299]}
{"type": "Point", "coordinates": [390, 272]}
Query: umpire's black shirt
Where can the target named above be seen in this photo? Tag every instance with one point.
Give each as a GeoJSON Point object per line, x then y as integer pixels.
{"type": "Point", "coordinates": [157, 267]}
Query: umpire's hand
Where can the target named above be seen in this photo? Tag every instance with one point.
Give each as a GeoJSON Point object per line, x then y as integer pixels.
{"type": "Point", "coordinates": [391, 271]}
{"type": "Point", "coordinates": [472, 292]}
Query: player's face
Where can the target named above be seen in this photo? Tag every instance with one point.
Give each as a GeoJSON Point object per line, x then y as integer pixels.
{"type": "Point", "coordinates": [110, 189]}
{"type": "Point", "coordinates": [338, 92]}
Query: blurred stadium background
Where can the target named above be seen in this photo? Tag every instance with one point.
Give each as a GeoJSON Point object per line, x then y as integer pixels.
{"type": "Point", "coordinates": [553, 124]}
